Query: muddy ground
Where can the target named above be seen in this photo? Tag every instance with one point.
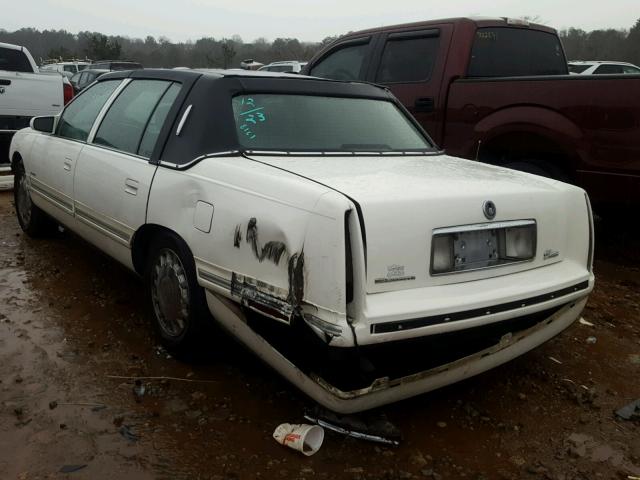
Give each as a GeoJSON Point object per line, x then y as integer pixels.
{"type": "Point", "coordinates": [70, 318]}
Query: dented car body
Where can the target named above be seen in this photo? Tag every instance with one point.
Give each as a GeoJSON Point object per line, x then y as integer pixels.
{"type": "Point", "coordinates": [326, 232]}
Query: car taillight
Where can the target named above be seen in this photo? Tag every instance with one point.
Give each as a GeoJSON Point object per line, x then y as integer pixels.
{"type": "Point", "coordinates": [67, 91]}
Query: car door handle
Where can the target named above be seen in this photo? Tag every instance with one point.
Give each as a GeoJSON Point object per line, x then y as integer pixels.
{"type": "Point", "coordinates": [425, 104]}
{"type": "Point", "coordinates": [67, 164]}
{"type": "Point", "coordinates": [131, 186]}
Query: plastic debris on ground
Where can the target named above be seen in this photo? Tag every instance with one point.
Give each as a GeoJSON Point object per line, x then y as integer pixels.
{"type": "Point", "coordinates": [303, 438]}
{"type": "Point", "coordinates": [630, 411]}
{"type": "Point", "coordinates": [371, 427]}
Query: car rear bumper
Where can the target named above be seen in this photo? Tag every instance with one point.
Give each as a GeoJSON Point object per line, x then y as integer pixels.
{"type": "Point", "coordinates": [411, 313]}
{"type": "Point", "coordinates": [385, 390]}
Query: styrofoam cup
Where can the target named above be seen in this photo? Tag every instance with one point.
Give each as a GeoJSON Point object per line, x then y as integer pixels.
{"type": "Point", "coordinates": [304, 438]}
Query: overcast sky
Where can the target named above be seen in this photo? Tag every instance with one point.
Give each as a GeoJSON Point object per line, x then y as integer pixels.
{"type": "Point", "coordinates": [303, 19]}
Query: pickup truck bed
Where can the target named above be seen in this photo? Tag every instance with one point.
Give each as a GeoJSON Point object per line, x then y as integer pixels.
{"type": "Point", "coordinates": [584, 128]}
{"type": "Point", "coordinates": [498, 91]}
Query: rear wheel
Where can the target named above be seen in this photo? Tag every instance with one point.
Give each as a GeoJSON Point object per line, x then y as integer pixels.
{"type": "Point", "coordinates": [178, 302]}
{"type": "Point", "coordinates": [33, 221]}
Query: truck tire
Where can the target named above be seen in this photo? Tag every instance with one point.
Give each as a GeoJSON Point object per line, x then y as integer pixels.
{"type": "Point", "coordinates": [33, 221]}
{"type": "Point", "coordinates": [178, 304]}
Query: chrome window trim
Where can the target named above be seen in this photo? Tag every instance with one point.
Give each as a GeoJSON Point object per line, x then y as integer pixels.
{"type": "Point", "coordinates": [184, 166]}
{"type": "Point", "coordinates": [133, 156]}
{"type": "Point", "coordinates": [349, 153]}
{"type": "Point", "coordinates": [183, 120]}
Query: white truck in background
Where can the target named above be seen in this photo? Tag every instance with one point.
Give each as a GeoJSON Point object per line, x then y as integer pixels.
{"type": "Point", "coordinates": [24, 93]}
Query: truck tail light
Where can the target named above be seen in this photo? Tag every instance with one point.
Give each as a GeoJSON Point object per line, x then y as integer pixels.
{"type": "Point", "coordinates": [67, 91]}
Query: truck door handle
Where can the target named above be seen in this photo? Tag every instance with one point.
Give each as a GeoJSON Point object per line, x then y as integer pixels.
{"type": "Point", "coordinates": [67, 164]}
{"type": "Point", "coordinates": [424, 104]}
{"type": "Point", "coordinates": [131, 186]}
{"type": "Point", "coordinates": [5, 82]}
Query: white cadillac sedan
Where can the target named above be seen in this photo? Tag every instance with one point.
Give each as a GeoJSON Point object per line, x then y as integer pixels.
{"type": "Point", "coordinates": [315, 221]}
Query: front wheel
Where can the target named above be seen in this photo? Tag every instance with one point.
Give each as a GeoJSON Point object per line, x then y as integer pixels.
{"type": "Point", "coordinates": [33, 221]}
{"type": "Point", "coordinates": [178, 302]}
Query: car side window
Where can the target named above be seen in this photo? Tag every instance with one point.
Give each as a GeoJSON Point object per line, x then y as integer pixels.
{"type": "Point", "coordinates": [408, 58]}
{"type": "Point", "coordinates": [157, 120]}
{"type": "Point", "coordinates": [345, 63]}
{"type": "Point", "coordinates": [608, 70]}
{"type": "Point", "coordinates": [77, 119]}
{"type": "Point", "coordinates": [125, 122]}
{"type": "Point", "coordinates": [75, 80]}
{"type": "Point", "coordinates": [630, 69]}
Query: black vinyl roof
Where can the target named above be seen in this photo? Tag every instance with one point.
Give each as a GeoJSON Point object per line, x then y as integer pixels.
{"type": "Point", "coordinates": [209, 127]}
{"type": "Point", "coordinates": [262, 81]}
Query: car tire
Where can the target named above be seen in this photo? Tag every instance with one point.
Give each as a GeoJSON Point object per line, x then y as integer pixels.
{"type": "Point", "coordinates": [33, 220]}
{"type": "Point", "coordinates": [178, 303]}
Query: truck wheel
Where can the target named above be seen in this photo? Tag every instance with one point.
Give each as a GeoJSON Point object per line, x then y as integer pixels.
{"type": "Point", "coordinates": [33, 221]}
{"type": "Point", "coordinates": [178, 303]}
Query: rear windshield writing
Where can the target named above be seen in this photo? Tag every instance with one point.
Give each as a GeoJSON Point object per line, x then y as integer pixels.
{"type": "Point", "coordinates": [510, 52]}
{"type": "Point", "coordinates": [314, 123]}
{"type": "Point", "coordinates": [249, 116]}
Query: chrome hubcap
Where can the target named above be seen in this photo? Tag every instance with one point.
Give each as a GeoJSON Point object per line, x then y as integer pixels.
{"type": "Point", "coordinates": [170, 293]}
{"type": "Point", "coordinates": [23, 200]}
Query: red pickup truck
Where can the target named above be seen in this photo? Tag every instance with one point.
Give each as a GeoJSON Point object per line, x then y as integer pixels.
{"type": "Point", "coordinates": [499, 91]}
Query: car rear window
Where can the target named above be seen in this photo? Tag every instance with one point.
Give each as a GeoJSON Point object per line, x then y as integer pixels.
{"type": "Point", "coordinates": [14, 61]}
{"type": "Point", "coordinates": [609, 70]}
{"type": "Point", "coordinates": [319, 123]}
{"type": "Point", "coordinates": [512, 52]}
{"type": "Point", "coordinates": [573, 68]}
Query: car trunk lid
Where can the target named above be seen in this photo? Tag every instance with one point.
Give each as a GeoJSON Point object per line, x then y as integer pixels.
{"type": "Point", "coordinates": [403, 199]}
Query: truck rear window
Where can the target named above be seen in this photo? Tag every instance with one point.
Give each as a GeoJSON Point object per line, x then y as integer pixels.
{"type": "Point", "coordinates": [321, 124]}
{"type": "Point", "coordinates": [14, 61]}
{"type": "Point", "coordinates": [513, 52]}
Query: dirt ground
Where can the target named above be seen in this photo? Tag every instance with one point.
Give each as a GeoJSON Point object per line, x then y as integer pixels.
{"type": "Point", "coordinates": [70, 318]}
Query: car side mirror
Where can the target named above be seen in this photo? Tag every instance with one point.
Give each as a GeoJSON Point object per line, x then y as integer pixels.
{"type": "Point", "coordinates": [43, 124]}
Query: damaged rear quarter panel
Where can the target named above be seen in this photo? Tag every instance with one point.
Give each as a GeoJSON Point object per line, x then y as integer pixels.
{"type": "Point", "coordinates": [274, 235]}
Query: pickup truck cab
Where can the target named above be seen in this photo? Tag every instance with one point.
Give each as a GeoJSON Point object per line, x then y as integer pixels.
{"type": "Point", "coordinates": [25, 93]}
{"type": "Point", "coordinates": [315, 221]}
{"type": "Point", "coordinates": [499, 91]}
